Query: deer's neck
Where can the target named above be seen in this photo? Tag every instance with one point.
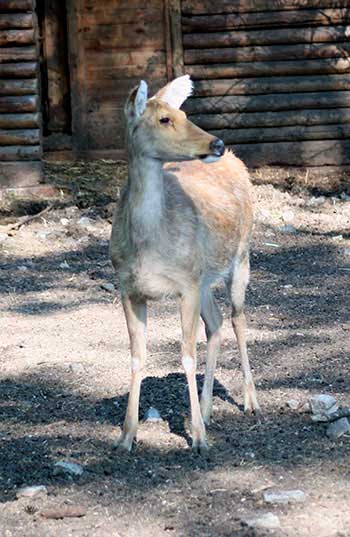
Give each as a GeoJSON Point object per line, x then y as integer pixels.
{"type": "Point", "coordinates": [146, 196]}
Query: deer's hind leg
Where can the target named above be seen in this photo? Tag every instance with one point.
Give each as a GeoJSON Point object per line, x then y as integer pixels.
{"type": "Point", "coordinates": [237, 288]}
{"type": "Point", "coordinates": [136, 319]}
{"type": "Point", "coordinates": [212, 318]}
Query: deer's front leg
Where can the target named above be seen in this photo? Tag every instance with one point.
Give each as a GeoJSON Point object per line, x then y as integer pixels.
{"type": "Point", "coordinates": [190, 309]}
{"type": "Point", "coordinates": [136, 319]}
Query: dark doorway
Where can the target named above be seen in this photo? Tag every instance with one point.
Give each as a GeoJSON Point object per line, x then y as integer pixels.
{"type": "Point", "coordinates": [54, 67]}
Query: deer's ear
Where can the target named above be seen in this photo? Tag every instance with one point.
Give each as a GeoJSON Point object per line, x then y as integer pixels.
{"type": "Point", "coordinates": [176, 92]}
{"type": "Point", "coordinates": [137, 101]}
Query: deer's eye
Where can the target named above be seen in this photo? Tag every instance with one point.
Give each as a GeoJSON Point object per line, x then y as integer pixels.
{"type": "Point", "coordinates": [164, 120]}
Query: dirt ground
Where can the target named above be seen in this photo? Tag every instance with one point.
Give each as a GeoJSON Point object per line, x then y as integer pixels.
{"type": "Point", "coordinates": [64, 369]}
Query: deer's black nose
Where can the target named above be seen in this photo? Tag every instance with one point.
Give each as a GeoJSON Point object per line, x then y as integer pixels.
{"type": "Point", "coordinates": [217, 146]}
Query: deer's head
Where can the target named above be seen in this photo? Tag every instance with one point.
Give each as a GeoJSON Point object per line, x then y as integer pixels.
{"type": "Point", "coordinates": [157, 128]}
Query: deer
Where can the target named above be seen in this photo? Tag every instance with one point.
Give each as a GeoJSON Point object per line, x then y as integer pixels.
{"type": "Point", "coordinates": [182, 226]}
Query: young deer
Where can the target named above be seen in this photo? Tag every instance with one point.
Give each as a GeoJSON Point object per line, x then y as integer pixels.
{"type": "Point", "coordinates": [179, 229]}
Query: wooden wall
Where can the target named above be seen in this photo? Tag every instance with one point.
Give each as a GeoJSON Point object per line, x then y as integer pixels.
{"type": "Point", "coordinates": [112, 45]}
{"type": "Point", "coordinates": [20, 136]}
{"type": "Point", "coordinates": [272, 77]}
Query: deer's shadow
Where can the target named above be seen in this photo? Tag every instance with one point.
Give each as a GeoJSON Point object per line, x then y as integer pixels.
{"type": "Point", "coordinates": [169, 395]}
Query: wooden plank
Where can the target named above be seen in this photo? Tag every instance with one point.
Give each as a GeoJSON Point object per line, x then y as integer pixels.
{"type": "Point", "coordinates": [266, 53]}
{"type": "Point", "coordinates": [21, 103]}
{"type": "Point", "coordinates": [76, 51]}
{"type": "Point", "coordinates": [307, 153]}
{"type": "Point", "coordinates": [131, 36]}
{"type": "Point", "coordinates": [203, 7]}
{"type": "Point", "coordinates": [13, 152]}
{"type": "Point", "coordinates": [12, 21]}
{"type": "Point", "coordinates": [12, 54]}
{"type": "Point", "coordinates": [265, 85]}
{"type": "Point", "coordinates": [176, 37]}
{"type": "Point", "coordinates": [106, 66]}
{"type": "Point", "coordinates": [306, 17]}
{"type": "Point", "coordinates": [105, 15]}
{"type": "Point", "coordinates": [248, 120]}
{"type": "Point", "coordinates": [19, 121]}
{"type": "Point", "coordinates": [19, 137]}
{"type": "Point", "coordinates": [18, 70]}
{"type": "Point", "coordinates": [56, 91]}
{"type": "Point", "coordinates": [278, 68]}
{"type": "Point", "coordinates": [269, 103]}
{"type": "Point", "coordinates": [319, 34]}
{"type": "Point", "coordinates": [20, 174]}
{"type": "Point", "coordinates": [19, 87]}
{"type": "Point", "coordinates": [91, 6]}
{"type": "Point", "coordinates": [288, 134]}
{"type": "Point", "coordinates": [16, 5]}
{"type": "Point", "coordinates": [17, 37]}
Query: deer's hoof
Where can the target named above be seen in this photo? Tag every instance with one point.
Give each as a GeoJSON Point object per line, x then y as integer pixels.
{"type": "Point", "coordinates": [124, 444]}
{"type": "Point", "coordinates": [200, 447]}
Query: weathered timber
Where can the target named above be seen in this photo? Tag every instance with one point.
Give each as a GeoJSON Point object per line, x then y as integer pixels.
{"type": "Point", "coordinates": [19, 121]}
{"type": "Point", "coordinates": [176, 36]}
{"type": "Point", "coordinates": [14, 175]}
{"type": "Point", "coordinates": [267, 53]}
{"type": "Point", "coordinates": [265, 85]}
{"type": "Point", "coordinates": [131, 36]}
{"type": "Point", "coordinates": [306, 153]}
{"type": "Point", "coordinates": [91, 6]}
{"type": "Point", "coordinates": [16, 5]}
{"type": "Point", "coordinates": [16, 20]}
{"type": "Point", "coordinates": [269, 103]}
{"type": "Point", "coordinates": [104, 14]}
{"type": "Point", "coordinates": [18, 70]}
{"type": "Point", "coordinates": [278, 68]}
{"type": "Point", "coordinates": [21, 103]}
{"type": "Point", "coordinates": [304, 17]}
{"type": "Point", "coordinates": [271, 119]}
{"type": "Point", "coordinates": [12, 54]}
{"type": "Point", "coordinates": [106, 67]}
{"type": "Point", "coordinates": [54, 29]}
{"type": "Point", "coordinates": [202, 7]}
{"type": "Point", "coordinates": [16, 37]}
{"type": "Point", "coordinates": [319, 34]}
{"type": "Point", "coordinates": [19, 137]}
{"type": "Point", "coordinates": [13, 152]}
{"type": "Point", "coordinates": [288, 134]}
{"type": "Point", "coordinates": [19, 87]}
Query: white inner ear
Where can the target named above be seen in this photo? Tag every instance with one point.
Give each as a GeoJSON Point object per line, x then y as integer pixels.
{"type": "Point", "coordinates": [141, 98]}
{"type": "Point", "coordinates": [177, 91]}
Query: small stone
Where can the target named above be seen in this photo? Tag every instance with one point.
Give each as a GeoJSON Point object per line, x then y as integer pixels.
{"type": "Point", "coordinates": [108, 287]}
{"type": "Point", "coordinates": [3, 237]}
{"type": "Point", "coordinates": [346, 251]}
{"type": "Point", "coordinates": [22, 268]}
{"type": "Point", "coordinates": [315, 202]}
{"type": "Point", "coordinates": [85, 222]}
{"type": "Point", "coordinates": [77, 367]}
{"type": "Point", "coordinates": [152, 415]}
{"type": "Point", "coordinates": [72, 211]}
{"type": "Point", "coordinates": [64, 221]}
{"type": "Point", "coordinates": [64, 265]}
{"type": "Point", "coordinates": [284, 496]}
{"type": "Point", "coordinates": [344, 197]}
{"type": "Point", "coordinates": [116, 403]}
{"type": "Point", "coordinates": [267, 521]}
{"type": "Point", "coordinates": [43, 234]}
{"type": "Point", "coordinates": [293, 404]}
{"type": "Point", "coordinates": [30, 492]}
{"type": "Point", "coordinates": [288, 228]}
{"type": "Point", "coordinates": [322, 407]}
{"type": "Point", "coordinates": [65, 467]}
{"type": "Point", "coordinates": [338, 428]}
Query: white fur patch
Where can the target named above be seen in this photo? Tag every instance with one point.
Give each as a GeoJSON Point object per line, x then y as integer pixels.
{"type": "Point", "coordinates": [141, 98]}
{"type": "Point", "coordinates": [188, 363]}
{"type": "Point", "coordinates": [210, 158]}
{"type": "Point", "coordinates": [177, 91]}
{"type": "Point", "coordinates": [135, 364]}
